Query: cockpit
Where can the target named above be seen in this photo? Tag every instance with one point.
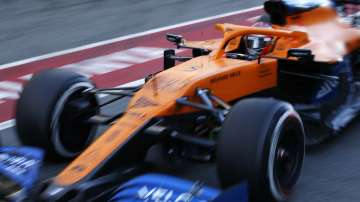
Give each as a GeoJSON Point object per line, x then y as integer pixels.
{"type": "Point", "coordinates": [249, 47]}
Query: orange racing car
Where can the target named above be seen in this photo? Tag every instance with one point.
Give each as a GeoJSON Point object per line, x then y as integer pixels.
{"type": "Point", "coordinates": [239, 101]}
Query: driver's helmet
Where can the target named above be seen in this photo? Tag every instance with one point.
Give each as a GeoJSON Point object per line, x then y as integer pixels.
{"type": "Point", "coordinates": [258, 44]}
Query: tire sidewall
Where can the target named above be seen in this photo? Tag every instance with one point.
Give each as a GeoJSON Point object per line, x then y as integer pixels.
{"type": "Point", "coordinates": [39, 105]}
{"type": "Point", "coordinates": [55, 116]}
{"type": "Point", "coordinates": [274, 136]}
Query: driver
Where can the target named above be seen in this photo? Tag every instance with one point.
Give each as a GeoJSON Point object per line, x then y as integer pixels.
{"type": "Point", "coordinates": [254, 45]}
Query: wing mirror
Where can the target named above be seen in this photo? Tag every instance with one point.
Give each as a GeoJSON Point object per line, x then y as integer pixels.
{"type": "Point", "coordinates": [176, 39]}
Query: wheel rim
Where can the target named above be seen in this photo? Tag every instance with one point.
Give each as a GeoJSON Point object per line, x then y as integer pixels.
{"type": "Point", "coordinates": [68, 135]}
{"type": "Point", "coordinates": [287, 161]}
{"type": "Point", "coordinates": [286, 156]}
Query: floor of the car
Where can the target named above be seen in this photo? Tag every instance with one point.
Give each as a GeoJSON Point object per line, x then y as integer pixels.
{"type": "Point", "coordinates": [187, 169]}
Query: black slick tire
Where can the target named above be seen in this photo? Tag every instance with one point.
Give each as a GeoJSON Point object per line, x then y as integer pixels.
{"type": "Point", "coordinates": [253, 142]}
{"type": "Point", "coordinates": [43, 111]}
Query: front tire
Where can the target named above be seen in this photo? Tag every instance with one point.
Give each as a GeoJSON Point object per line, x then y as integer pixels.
{"type": "Point", "coordinates": [262, 142]}
{"type": "Point", "coordinates": [52, 110]}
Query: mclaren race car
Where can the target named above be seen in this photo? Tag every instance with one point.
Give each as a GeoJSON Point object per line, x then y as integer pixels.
{"type": "Point", "coordinates": [239, 102]}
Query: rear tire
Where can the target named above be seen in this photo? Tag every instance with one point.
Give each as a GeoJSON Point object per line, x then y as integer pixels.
{"type": "Point", "coordinates": [47, 117]}
{"type": "Point", "coordinates": [262, 142]}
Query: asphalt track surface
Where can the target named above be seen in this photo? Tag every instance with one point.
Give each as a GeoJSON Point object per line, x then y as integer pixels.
{"type": "Point", "coordinates": [331, 170]}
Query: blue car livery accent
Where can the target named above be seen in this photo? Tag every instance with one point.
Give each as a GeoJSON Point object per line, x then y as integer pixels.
{"type": "Point", "coordinates": [21, 164]}
{"type": "Point", "coordinates": [164, 188]}
{"type": "Point", "coordinates": [156, 187]}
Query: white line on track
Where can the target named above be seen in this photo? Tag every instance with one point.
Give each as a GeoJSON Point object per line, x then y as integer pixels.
{"type": "Point", "coordinates": [14, 86]}
{"type": "Point", "coordinates": [122, 38]}
{"type": "Point", "coordinates": [115, 61]}
{"type": "Point", "coordinates": [7, 124]}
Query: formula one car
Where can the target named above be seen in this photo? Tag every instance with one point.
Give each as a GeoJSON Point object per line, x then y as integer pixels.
{"type": "Point", "coordinates": [238, 102]}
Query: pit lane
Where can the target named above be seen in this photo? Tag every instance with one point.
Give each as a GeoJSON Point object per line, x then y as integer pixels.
{"type": "Point", "coordinates": [331, 170]}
